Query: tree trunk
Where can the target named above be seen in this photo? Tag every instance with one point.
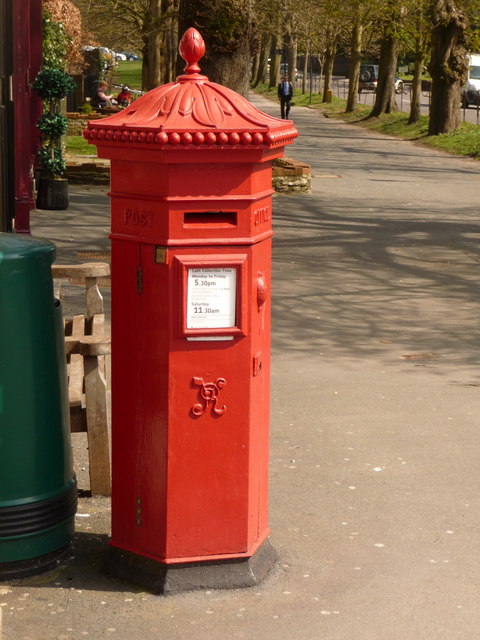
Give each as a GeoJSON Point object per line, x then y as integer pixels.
{"type": "Point", "coordinates": [385, 95]}
{"type": "Point", "coordinates": [145, 67]}
{"type": "Point", "coordinates": [275, 59]}
{"type": "Point", "coordinates": [354, 70]}
{"type": "Point", "coordinates": [328, 70]}
{"type": "Point", "coordinates": [152, 47]}
{"type": "Point", "coordinates": [291, 57]}
{"type": "Point", "coordinates": [306, 59]}
{"type": "Point", "coordinates": [416, 87]}
{"type": "Point", "coordinates": [263, 54]}
{"type": "Point", "coordinates": [448, 66]}
{"type": "Point", "coordinates": [227, 28]}
{"type": "Point", "coordinates": [170, 40]}
{"type": "Point", "coordinates": [254, 67]}
{"type": "Point", "coordinates": [159, 43]}
{"type": "Point", "coordinates": [151, 64]}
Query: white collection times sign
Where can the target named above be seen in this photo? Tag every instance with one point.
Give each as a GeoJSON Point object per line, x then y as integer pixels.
{"type": "Point", "coordinates": [211, 298]}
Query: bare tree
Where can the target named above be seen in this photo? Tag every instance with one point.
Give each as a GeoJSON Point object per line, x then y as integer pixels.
{"type": "Point", "coordinates": [159, 38]}
{"type": "Point", "coordinates": [331, 41]}
{"type": "Point", "coordinates": [267, 18]}
{"type": "Point", "coordinates": [120, 31]}
{"type": "Point", "coordinates": [320, 25]}
{"type": "Point", "coordinates": [416, 40]}
{"type": "Point", "coordinates": [149, 25]}
{"type": "Point", "coordinates": [361, 20]}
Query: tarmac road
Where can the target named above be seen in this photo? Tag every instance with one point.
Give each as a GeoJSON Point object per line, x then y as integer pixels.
{"type": "Point", "coordinates": [403, 100]}
{"type": "Point", "coordinates": [375, 508]}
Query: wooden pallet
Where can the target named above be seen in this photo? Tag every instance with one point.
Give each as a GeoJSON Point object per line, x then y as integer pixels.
{"type": "Point", "coordinates": [86, 345]}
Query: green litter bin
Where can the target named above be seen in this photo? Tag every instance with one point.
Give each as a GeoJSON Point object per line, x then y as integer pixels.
{"type": "Point", "coordinates": [38, 492]}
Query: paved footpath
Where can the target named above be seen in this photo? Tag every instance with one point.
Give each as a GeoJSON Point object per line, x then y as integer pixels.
{"type": "Point", "coordinates": [375, 507]}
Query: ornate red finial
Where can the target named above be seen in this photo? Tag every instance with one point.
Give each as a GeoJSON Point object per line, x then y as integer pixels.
{"type": "Point", "coordinates": [192, 49]}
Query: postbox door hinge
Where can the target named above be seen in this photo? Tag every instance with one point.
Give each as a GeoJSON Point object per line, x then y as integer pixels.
{"type": "Point", "coordinates": [139, 279]}
{"type": "Point", "coordinates": [257, 364]}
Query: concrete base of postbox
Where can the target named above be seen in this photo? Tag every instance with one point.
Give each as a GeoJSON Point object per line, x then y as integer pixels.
{"type": "Point", "coordinates": [166, 579]}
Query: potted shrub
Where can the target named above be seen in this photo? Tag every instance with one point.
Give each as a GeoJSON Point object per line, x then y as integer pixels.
{"type": "Point", "coordinates": [52, 85]}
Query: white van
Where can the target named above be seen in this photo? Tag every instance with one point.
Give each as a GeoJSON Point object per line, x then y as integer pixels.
{"type": "Point", "coordinates": [471, 88]}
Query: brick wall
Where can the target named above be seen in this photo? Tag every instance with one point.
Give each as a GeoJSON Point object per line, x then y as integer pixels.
{"type": "Point", "coordinates": [291, 176]}
{"type": "Point", "coordinates": [77, 122]}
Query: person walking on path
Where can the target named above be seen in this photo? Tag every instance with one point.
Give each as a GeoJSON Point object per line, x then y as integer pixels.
{"type": "Point", "coordinates": [285, 95]}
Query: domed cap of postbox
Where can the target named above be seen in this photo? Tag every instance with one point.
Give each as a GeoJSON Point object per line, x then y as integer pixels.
{"type": "Point", "coordinates": [191, 112]}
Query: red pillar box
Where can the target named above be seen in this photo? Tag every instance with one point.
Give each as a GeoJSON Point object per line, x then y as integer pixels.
{"type": "Point", "coordinates": [191, 249]}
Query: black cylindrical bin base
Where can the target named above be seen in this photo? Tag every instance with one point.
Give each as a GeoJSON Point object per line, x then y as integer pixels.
{"type": "Point", "coordinates": [52, 194]}
{"type": "Point", "coordinates": [34, 517]}
{"type": "Point", "coordinates": [32, 566]}
{"type": "Point", "coordinates": [33, 527]}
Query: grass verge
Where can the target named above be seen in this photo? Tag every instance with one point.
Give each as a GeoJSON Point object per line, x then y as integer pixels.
{"type": "Point", "coordinates": [77, 145]}
{"type": "Point", "coordinates": [463, 142]}
{"type": "Point", "coordinates": [129, 73]}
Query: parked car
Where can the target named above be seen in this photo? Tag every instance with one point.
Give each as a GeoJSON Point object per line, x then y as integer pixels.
{"type": "Point", "coordinates": [471, 88]}
{"type": "Point", "coordinates": [120, 56]}
{"type": "Point", "coordinates": [369, 79]}
{"type": "Point", "coordinates": [106, 51]}
{"type": "Point", "coordinates": [398, 85]}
